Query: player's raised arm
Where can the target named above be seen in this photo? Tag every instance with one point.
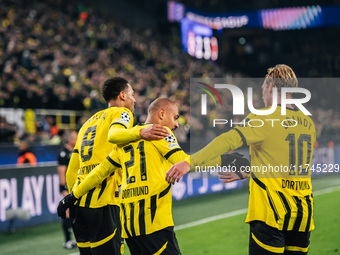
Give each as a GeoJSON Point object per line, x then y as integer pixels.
{"type": "Point", "coordinates": [121, 130]}
{"type": "Point", "coordinates": [93, 179]}
{"type": "Point", "coordinates": [235, 161]}
{"type": "Point", "coordinates": [153, 132]}
{"type": "Point", "coordinates": [220, 145]}
{"type": "Point", "coordinates": [120, 135]}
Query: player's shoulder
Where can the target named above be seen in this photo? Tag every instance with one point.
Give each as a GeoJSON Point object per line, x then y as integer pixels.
{"type": "Point", "coordinates": [171, 138]}
{"type": "Point", "coordinates": [143, 125]}
{"type": "Point", "coordinates": [94, 117]}
{"type": "Point", "coordinates": [118, 110]}
{"type": "Point", "coordinates": [265, 113]}
{"type": "Point", "coordinates": [299, 114]}
{"type": "Point", "coordinates": [262, 113]}
{"type": "Point", "coordinates": [251, 116]}
{"type": "Point", "coordinates": [121, 114]}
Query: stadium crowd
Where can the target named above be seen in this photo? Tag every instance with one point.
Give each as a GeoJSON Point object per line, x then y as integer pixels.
{"type": "Point", "coordinates": [56, 55]}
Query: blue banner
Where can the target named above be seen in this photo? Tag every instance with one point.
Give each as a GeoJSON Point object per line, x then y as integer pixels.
{"type": "Point", "coordinates": [200, 183]}
{"type": "Point", "coordinates": [35, 189]}
{"type": "Point", "coordinates": [44, 153]}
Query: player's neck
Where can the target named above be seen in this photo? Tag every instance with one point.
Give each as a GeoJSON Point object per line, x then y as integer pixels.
{"type": "Point", "coordinates": [288, 106]}
{"type": "Point", "coordinates": [115, 103]}
{"type": "Point", "coordinates": [151, 121]}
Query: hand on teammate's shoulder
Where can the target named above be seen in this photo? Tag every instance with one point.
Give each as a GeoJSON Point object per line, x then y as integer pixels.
{"type": "Point", "coordinates": [153, 132]}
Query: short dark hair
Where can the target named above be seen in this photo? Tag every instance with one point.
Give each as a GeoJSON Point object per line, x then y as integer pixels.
{"type": "Point", "coordinates": [112, 87]}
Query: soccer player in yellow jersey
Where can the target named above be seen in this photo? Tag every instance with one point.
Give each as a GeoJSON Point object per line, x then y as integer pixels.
{"type": "Point", "coordinates": [146, 202]}
{"type": "Point", "coordinates": [95, 218]}
{"type": "Point", "coordinates": [280, 210]}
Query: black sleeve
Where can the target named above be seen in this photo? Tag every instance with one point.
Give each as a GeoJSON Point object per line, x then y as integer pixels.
{"type": "Point", "coordinates": [63, 160]}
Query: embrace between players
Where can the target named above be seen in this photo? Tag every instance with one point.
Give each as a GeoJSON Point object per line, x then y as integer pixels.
{"type": "Point", "coordinates": [146, 159]}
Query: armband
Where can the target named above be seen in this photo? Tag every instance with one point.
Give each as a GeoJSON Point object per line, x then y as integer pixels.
{"type": "Point", "coordinates": [63, 188]}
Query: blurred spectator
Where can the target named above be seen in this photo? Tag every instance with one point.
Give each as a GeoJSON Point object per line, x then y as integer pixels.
{"type": "Point", "coordinates": [7, 131]}
{"type": "Point", "coordinates": [57, 139]}
{"type": "Point", "coordinates": [53, 128]}
{"type": "Point", "coordinates": [25, 154]}
{"type": "Point", "coordinates": [63, 161]}
{"type": "Point", "coordinates": [42, 132]}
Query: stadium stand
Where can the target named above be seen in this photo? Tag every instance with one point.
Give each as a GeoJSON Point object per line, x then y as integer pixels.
{"type": "Point", "coordinates": [55, 55]}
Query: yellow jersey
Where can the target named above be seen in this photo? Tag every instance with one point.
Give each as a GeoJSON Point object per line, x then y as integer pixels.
{"type": "Point", "coordinates": [146, 201]}
{"type": "Point", "coordinates": [281, 150]}
{"type": "Point", "coordinates": [145, 196]}
{"type": "Point", "coordinates": [280, 185]}
{"type": "Point", "coordinates": [92, 147]}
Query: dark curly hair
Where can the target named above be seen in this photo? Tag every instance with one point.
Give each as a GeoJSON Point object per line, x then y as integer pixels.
{"type": "Point", "coordinates": [112, 87]}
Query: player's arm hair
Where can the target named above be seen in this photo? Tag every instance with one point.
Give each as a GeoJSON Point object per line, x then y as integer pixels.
{"type": "Point", "coordinates": [119, 134]}
{"type": "Point", "coordinates": [72, 170]}
{"type": "Point", "coordinates": [225, 142]}
{"type": "Point", "coordinates": [97, 176]}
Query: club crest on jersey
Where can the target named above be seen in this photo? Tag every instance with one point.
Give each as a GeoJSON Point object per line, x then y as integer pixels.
{"type": "Point", "coordinates": [170, 138]}
{"type": "Point", "coordinates": [125, 116]}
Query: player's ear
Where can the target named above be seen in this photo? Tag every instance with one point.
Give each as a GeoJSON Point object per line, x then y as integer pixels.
{"type": "Point", "coordinates": [122, 95]}
{"type": "Point", "coordinates": [161, 114]}
{"type": "Point", "coordinates": [270, 87]}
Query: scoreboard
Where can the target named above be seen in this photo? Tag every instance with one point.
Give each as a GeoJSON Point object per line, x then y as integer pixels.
{"type": "Point", "coordinates": [198, 40]}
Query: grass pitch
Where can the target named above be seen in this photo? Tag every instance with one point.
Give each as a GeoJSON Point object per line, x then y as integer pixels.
{"type": "Point", "coordinates": [228, 235]}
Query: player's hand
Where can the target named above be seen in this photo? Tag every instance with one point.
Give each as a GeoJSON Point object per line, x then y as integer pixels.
{"type": "Point", "coordinates": [177, 171]}
{"type": "Point", "coordinates": [237, 166]}
{"type": "Point", "coordinates": [153, 132]}
{"type": "Point", "coordinates": [230, 176]}
{"type": "Point", "coordinates": [66, 203]}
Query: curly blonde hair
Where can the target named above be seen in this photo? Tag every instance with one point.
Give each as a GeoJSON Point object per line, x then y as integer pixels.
{"type": "Point", "coordinates": [281, 76]}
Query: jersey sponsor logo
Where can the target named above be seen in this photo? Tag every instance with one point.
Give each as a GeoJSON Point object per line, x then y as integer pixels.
{"type": "Point", "coordinates": [135, 192]}
{"type": "Point", "coordinates": [295, 185]}
{"type": "Point", "coordinates": [173, 145]}
{"type": "Point", "coordinates": [123, 121]}
{"type": "Point", "coordinates": [86, 169]}
{"type": "Point", "coordinates": [170, 138]}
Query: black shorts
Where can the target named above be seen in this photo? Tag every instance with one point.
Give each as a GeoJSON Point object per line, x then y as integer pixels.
{"type": "Point", "coordinates": [161, 242]}
{"type": "Point", "coordinates": [265, 240]}
{"type": "Point", "coordinates": [97, 230]}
